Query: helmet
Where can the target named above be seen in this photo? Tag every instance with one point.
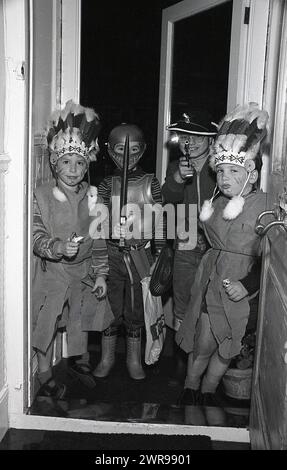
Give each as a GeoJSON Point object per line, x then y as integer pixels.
{"type": "Point", "coordinates": [116, 142]}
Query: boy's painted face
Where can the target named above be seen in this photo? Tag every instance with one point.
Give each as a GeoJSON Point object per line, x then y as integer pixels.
{"type": "Point", "coordinates": [71, 169]}
{"type": "Point", "coordinates": [135, 150]}
{"type": "Point", "coordinates": [231, 179]}
{"type": "Point", "coordinates": [196, 145]}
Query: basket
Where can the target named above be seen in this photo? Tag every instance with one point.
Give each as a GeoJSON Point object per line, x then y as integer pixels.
{"type": "Point", "coordinates": [237, 383]}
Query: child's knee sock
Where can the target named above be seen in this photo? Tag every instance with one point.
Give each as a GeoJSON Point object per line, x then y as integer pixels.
{"type": "Point", "coordinates": [210, 383]}
{"type": "Point", "coordinates": [195, 370]}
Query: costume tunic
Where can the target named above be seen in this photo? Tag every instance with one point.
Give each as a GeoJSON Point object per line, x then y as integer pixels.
{"type": "Point", "coordinates": [186, 260]}
{"type": "Point", "coordinates": [124, 283]}
{"type": "Point", "coordinates": [235, 248]}
{"type": "Point", "coordinates": [58, 293]}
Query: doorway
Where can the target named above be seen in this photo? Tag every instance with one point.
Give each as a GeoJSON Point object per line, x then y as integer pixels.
{"type": "Point", "coordinates": [120, 70]}
{"type": "Point", "coordinates": [121, 83]}
{"type": "Point", "coordinates": [148, 409]}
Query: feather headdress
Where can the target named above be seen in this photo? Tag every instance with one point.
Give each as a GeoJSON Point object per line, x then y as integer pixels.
{"type": "Point", "coordinates": [237, 142]}
{"type": "Point", "coordinates": [73, 130]}
{"type": "Point", "coordinates": [239, 136]}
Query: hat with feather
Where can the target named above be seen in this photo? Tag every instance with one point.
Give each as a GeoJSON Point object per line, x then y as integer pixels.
{"type": "Point", "coordinates": [74, 129]}
{"type": "Point", "coordinates": [237, 142]}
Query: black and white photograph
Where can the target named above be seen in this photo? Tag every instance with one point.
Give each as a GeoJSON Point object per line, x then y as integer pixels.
{"type": "Point", "coordinates": [143, 228]}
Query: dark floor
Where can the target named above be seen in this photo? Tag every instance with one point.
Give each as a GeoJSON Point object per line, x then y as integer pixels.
{"type": "Point", "coordinates": [118, 398]}
{"type": "Point", "coordinates": [121, 399]}
{"type": "Point", "coordinates": [19, 439]}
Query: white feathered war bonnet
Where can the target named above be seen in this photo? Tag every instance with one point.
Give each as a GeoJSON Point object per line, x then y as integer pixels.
{"type": "Point", "coordinates": [74, 129]}
{"type": "Point", "coordinates": [237, 142]}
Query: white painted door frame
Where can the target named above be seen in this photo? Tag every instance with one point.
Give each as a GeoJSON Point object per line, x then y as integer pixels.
{"type": "Point", "coordinates": [15, 146]}
{"type": "Point", "coordinates": [71, 50]}
{"type": "Point", "coordinates": [17, 149]}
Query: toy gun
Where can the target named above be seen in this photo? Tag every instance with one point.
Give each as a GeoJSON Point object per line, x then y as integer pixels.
{"type": "Point", "coordinates": [187, 156]}
{"type": "Point", "coordinates": [124, 189]}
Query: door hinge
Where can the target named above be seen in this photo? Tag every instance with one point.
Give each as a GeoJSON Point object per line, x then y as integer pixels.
{"type": "Point", "coordinates": [246, 15]}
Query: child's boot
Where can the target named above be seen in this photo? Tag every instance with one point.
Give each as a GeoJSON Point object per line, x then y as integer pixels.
{"type": "Point", "coordinates": [134, 364]}
{"type": "Point", "coordinates": [109, 342]}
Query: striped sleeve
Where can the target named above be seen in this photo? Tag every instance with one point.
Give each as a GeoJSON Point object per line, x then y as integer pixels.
{"type": "Point", "coordinates": [100, 265]}
{"type": "Point", "coordinates": [104, 190]}
{"type": "Point", "coordinates": [43, 244]}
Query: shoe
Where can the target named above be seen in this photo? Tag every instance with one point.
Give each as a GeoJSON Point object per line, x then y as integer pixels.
{"type": "Point", "coordinates": [56, 391]}
{"type": "Point", "coordinates": [179, 371]}
{"type": "Point", "coordinates": [83, 373]}
{"type": "Point", "coordinates": [190, 397]}
{"type": "Point", "coordinates": [209, 399]}
{"type": "Point", "coordinates": [48, 406]}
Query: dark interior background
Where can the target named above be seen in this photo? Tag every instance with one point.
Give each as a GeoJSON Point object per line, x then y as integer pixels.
{"type": "Point", "coordinates": [120, 66]}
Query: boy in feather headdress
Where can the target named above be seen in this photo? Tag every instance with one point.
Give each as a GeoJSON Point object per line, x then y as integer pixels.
{"type": "Point", "coordinates": [65, 253]}
{"type": "Point", "coordinates": [219, 308]}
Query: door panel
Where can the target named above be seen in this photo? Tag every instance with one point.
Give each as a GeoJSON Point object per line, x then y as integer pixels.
{"type": "Point", "coordinates": [269, 390]}
{"type": "Point", "coordinates": [268, 420]}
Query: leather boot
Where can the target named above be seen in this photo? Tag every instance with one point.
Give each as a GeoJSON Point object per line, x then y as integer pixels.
{"type": "Point", "coordinates": [134, 365]}
{"type": "Point", "coordinates": [179, 372]}
{"type": "Point", "coordinates": [109, 342]}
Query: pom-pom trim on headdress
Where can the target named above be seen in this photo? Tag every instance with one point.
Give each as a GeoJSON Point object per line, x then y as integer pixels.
{"type": "Point", "coordinates": [207, 207]}
{"type": "Point", "coordinates": [237, 143]}
{"type": "Point", "coordinates": [73, 130]}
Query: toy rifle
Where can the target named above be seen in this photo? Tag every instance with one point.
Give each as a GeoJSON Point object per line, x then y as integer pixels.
{"type": "Point", "coordinates": [124, 189]}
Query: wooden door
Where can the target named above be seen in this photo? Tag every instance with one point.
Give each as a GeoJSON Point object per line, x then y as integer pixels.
{"type": "Point", "coordinates": [268, 420]}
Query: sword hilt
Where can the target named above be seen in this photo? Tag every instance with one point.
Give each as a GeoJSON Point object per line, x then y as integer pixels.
{"type": "Point", "coordinates": [122, 241]}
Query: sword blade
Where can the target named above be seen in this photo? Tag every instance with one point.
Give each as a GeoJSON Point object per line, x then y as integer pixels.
{"type": "Point", "coordinates": [124, 187]}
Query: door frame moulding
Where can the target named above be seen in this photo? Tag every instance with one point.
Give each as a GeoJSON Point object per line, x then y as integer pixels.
{"type": "Point", "coordinates": [279, 140]}
{"type": "Point", "coordinates": [169, 17]}
{"type": "Point", "coordinates": [71, 51]}
{"type": "Point", "coordinates": [247, 75]}
{"type": "Point", "coordinates": [15, 14]}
